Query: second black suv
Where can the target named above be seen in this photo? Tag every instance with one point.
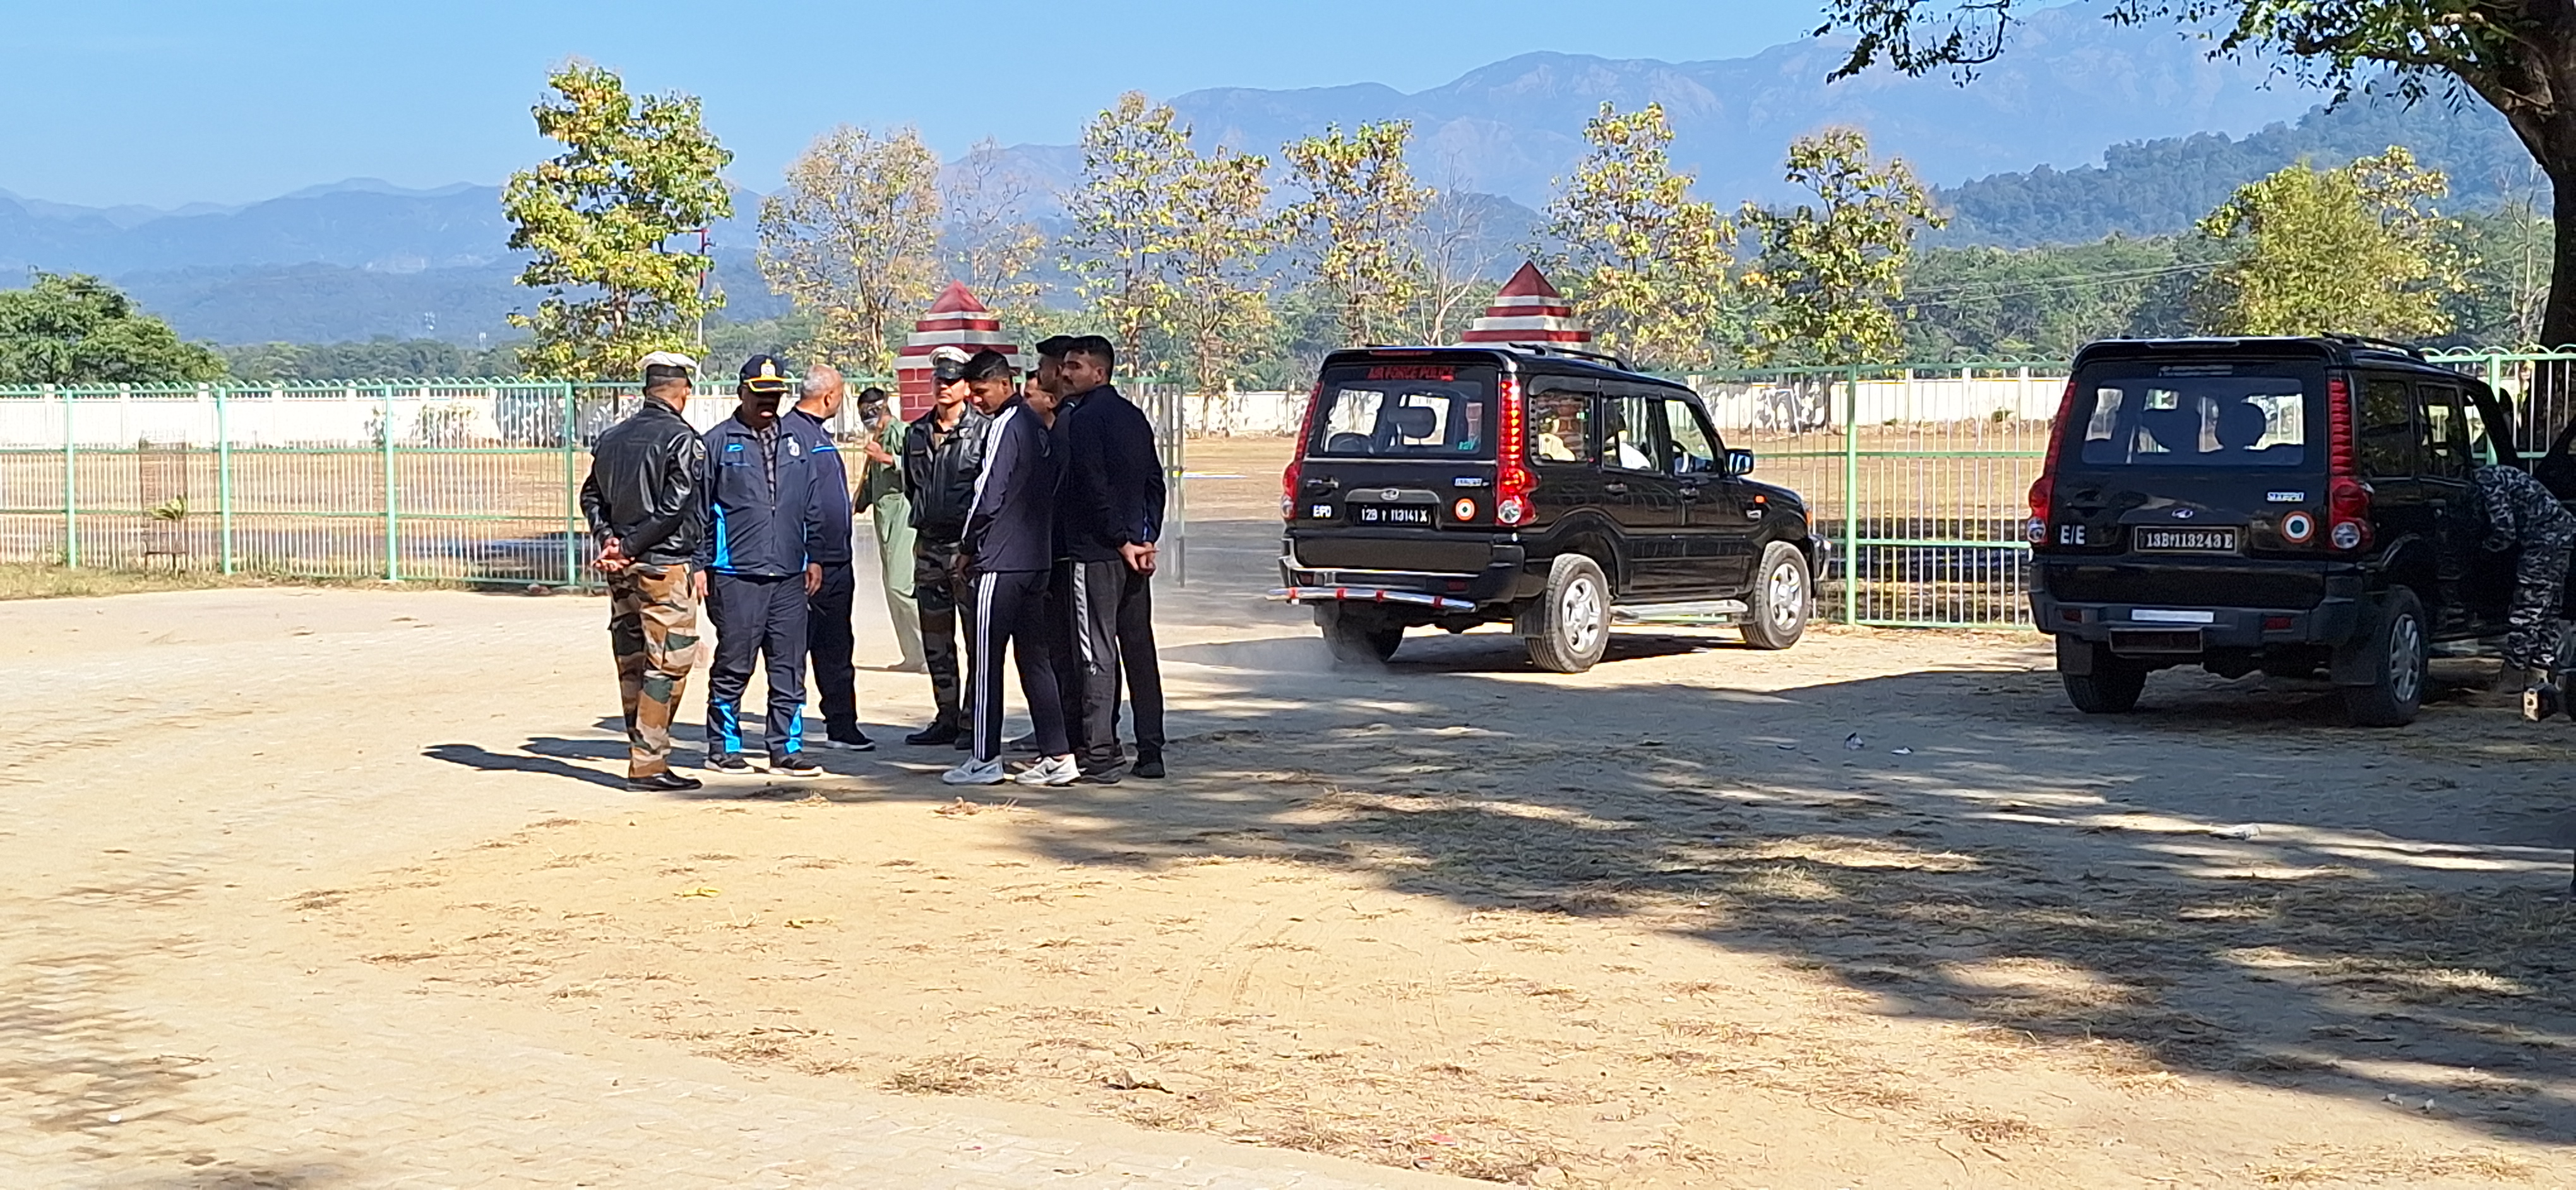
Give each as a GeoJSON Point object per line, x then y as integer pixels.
{"type": "Point", "coordinates": [1552, 490]}
{"type": "Point", "coordinates": [2287, 505]}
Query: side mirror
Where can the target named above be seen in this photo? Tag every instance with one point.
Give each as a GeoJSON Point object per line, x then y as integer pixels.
{"type": "Point", "coordinates": [1739, 462]}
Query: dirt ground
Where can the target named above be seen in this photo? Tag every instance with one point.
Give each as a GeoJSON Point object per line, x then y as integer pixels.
{"type": "Point", "coordinates": [1879, 911]}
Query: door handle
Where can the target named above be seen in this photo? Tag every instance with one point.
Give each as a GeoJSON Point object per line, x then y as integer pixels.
{"type": "Point", "coordinates": [1691, 492]}
{"type": "Point", "coordinates": [1615, 488]}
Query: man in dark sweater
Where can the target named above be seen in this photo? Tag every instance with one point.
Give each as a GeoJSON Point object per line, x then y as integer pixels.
{"type": "Point", "coordinates": [943, 456]}
{"type": "Point", "coordinates": [828, 636]}
{"type": "Point", "coordinates": [1109, 519]}
{"type": "Point", "coordinates": [1009, 551]}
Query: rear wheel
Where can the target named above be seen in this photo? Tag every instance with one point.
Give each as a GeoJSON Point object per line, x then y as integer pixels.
{"type": "Point", "coordinates": [1571, 624]}
{"type": "Point", "coordinates": [2111, 689]}
{"type": "Point", "coordinates": [1359, 637]}
{"type": "Point", "coordinates": [1781, 597]}
{"type": "Point", "coordinates": [2400, 661]}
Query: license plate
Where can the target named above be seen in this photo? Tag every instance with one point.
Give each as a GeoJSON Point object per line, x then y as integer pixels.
{"type": "Point", "coordinates": [2204, 541]}
{"type": "Point", "coordinates": [1371, 514]}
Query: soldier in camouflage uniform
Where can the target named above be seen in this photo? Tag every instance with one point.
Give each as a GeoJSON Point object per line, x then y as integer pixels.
{"type": "Point", "coordinates": [647, 518]}
{"type": "Point", "coordinates": [2521, 514]}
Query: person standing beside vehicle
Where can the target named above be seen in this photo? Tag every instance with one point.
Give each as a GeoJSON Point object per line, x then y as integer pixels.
{"type": "Point", "coordinates": [2521, 514]}
{"type": "Point", "coordinates": [1110, 518]}
{"type": "Point", "coordinates": [757, 567]}
{"type": "Point", "coordinates": [647, 519]}
{"type": "Point", "coordinates": [828, 639]}
{"type": "Point", "coordinates": [889, 507]}
{"type": "Point", "coordinates": [1009, 551]}
{"type": "Point", "coordinates": [943, 456]}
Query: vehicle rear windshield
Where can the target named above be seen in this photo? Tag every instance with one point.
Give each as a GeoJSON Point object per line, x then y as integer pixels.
{"type": "Point", "coordinates": [2252, 414]}
{"type": "Point", "coordinates": [1405, 411]}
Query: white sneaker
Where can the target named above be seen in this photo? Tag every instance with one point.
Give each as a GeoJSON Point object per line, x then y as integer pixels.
{"type": "Point", "coordinates": [975, 772]}
{"type": "Point", "coordinates": [1054, 770]}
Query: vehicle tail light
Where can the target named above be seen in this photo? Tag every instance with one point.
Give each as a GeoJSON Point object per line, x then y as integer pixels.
{"type": "Point", "coordinates": [2347, 495]}
{"type": "Point", "coordinates": [1294, 477]}
{"type": "Point", "coordinates": [2043, 490]}
{"type": "Point", "coordinates": [1513, 482]}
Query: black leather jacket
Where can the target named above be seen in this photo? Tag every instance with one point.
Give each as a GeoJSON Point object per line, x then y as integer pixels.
{"type": "Point", "coordinates": [644, 484]}
{"type": "Point", "coordinates": [940, 481]}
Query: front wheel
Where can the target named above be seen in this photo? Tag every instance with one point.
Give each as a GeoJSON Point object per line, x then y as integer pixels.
{"type": "Point", "coordinates": [1570, 627]}
{"type": "Point", "coordinates": [1776, 615]}
{"type": "Point", "coordinates": [2400, 661]}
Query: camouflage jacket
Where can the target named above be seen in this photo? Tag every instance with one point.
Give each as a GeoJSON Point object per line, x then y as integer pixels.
{"type": "Point", "coordinates": [2518, 510]}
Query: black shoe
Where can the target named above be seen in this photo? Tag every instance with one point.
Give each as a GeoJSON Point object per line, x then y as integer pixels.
{"type": "Point", "coordinates": [727, 762]}
{"type": "Point", "coordinates": [852, 741]}
{"type": "Point", "coordinates": [664, 782]}
{"type": "Point", "coordinates": [1026, 745]}
{"type": "Point", "coordinates": [2541, 702]}
{"type": "Point", "coordinates": [1149, 765]}
{"type": "Point", "coordinates": [795, 764]}
{"type": "Point", "coordinates": [1107, 774]}
{"type": "Point", "coordinates": [963, 742]}
{"type": "Point", "coordinates": [939, 732]}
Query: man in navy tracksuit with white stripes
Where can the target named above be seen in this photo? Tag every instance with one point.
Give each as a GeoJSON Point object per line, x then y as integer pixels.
{"type": "Point", "coordinates": [757, 564]}
{"type": "Point", "coordinates": [1009, 553]}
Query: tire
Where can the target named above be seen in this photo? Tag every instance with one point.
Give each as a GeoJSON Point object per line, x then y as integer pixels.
{"type": "Point", "coordinates": [1783, 595]}
{"type": "Point", "coordinates": [1570, 627]}
{"type": "Point", "coordinates": [2399, 660]}
{"type": "Point", "coordinates": [2111, 689]}
{"type": "Point", "coordinates": [1359, 638]}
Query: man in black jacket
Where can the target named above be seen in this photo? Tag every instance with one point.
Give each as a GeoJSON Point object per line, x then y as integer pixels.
{"type": "Point", "coordinates": [943, 456]}
{"type": "Point", "coordinates": [1009, 551]}
{"type": "Point", "coordinates": [647, 521]}
{"type": "Point", "coordinates": [1110, 518]}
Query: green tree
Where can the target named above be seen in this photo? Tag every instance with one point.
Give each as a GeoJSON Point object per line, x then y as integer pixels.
{"type": "Point", "coordinates": [2517, 55]}
{"type": "Point", "coordinates": [854, 236]}
{"type": "Point", "coordinates": [1358, 224]}
{"type": "Point", "coordinates": [1219, 308]}
{"type": "Point", "coordinates": [73, 329]}
{"type": "Point", "coordinates": [1645, 263]}
{"type": "Point", "coordinates": [1834, 270]}
{"type": "Point", "coordinates": [1989, 303]}
{"type": "Point", "coordinates": [600, 220]}
{"type": "Point", "coordinates": [1136, 157]}
{"type": "Point", "coordinates": [2357, 249]}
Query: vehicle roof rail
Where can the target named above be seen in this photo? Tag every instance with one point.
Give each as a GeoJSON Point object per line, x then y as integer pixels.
{"type": "Point", "coordinates": [2406, 349]}
{"type": "Point", "coordinates": [1577, 352]}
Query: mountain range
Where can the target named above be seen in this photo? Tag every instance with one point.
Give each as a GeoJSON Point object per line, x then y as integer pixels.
{"type": "Point", "coordinates": [362, 258]}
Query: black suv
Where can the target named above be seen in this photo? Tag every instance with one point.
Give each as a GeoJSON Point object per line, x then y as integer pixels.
{"type": "Point", "coordinates": [2287, 505]}
{"type": "Point", "coordinates": [1549, 489]}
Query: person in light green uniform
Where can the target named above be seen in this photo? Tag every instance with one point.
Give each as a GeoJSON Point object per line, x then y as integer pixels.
{"type": "Point", "coordinates": [881, 495]}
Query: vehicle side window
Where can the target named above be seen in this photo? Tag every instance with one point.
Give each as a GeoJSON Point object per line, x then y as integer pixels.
{"type": "Point", "coordinates": [2387, 427]}
{"type": "Point", "coordinates": [2445, 440]}
{"type": "Point", "coordinates": [1694, 450]}
{"type": "Point", "coordinates": [1629, 441]}
{"type": "Point", "coordinates": [1560, 426]}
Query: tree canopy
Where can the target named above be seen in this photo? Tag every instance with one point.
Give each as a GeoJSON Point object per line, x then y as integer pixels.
{"type": "Point", "coordinates": [854, 236]}
{"type": "Point", "coordinates": [2357, 249]}
{"type": "Point", "coordinates": [74, 329]}
{"type": "Point", "coordinates": [601, 220]}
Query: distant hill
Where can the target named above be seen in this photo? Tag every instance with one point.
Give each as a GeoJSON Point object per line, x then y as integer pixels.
{"type": "Point", "coordinates": [2157, 187]}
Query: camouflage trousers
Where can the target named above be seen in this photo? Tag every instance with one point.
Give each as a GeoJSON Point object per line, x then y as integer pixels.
{"type": "Point", "coordinates": [653, 627]}
{"type": "Point", "coordinates": [2539, 590]}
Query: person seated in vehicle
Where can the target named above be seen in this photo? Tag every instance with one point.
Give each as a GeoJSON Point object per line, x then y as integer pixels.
{"type": "Point", "coordinates": [1560, 430]}
{"type": "Point", "coordinates": [1624, 454]}
{"type": "Point", "coordinates": [2242, 425]}
{"type": "Point", "coordinates": [2521, 514]}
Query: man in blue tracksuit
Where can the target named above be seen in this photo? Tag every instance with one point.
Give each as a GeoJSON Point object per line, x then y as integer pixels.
{"type": "Point", "coordinates": [1009, 553]}
{"type": "Point", "coordinates": [758, 568]}
{"type": "Point", "coordinates": [827, 610]}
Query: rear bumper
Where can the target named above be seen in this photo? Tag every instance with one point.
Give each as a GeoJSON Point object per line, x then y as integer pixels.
{"type": "Point", "coordinates": [2184, 629]}
{"type": "Point", "coordinates": [1499, 582]}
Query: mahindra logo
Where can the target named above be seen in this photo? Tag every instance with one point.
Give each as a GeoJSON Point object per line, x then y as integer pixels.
{"type": "Point", "coordinates": [2182, 514]}
{"type": "Point", "coordinates": [1391, 495]}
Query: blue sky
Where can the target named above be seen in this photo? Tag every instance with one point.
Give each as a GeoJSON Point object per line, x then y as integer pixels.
{"type": "Point", "coordinates": [169, 101]}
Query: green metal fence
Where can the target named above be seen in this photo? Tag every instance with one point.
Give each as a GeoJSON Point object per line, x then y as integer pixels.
{"type": "Point", "coordinates": [1920, 474]}
{"type": "Point", "coordinates": [472, 481]}
{"type": "Point", "coordinates": [1917, 474]}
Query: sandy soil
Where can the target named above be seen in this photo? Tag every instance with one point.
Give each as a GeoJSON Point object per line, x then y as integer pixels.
{"type": "Point", "coordinates": [1879, 911]}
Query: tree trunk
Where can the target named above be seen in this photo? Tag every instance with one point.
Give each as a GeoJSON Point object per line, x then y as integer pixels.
{"type": "Point", "coordinates": [2558, 318]}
